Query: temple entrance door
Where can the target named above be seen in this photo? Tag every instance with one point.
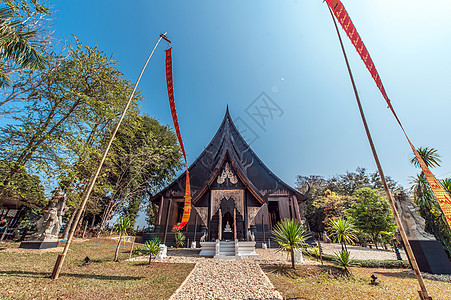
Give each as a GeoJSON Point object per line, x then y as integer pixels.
{"type": "Point", "coordinates": [227, 227]}
{"type": "Point", "coordinates": [273, 210]}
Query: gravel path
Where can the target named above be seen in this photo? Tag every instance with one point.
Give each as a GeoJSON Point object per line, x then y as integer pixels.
{"type": "Point", "coordinates": [218, 279]}
{"type": "Point", "coordinates": [363, 253]}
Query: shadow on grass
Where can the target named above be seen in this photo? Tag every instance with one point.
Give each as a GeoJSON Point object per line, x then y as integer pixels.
{"type": "Point", "coordinates": [304, 271]}
{"type": "Point", "coordinates": [281, 269]}
{"type": "Point", "coordinates": [74, 275]}
{"type": "Point", "coordinates": [183, 252]}
{"type": "Point", "coordinates": [400, 274]}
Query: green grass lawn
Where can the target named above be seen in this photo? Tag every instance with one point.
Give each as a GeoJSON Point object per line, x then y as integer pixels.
{"type": "Point", "coordinates": [327, 282]}
{"type": "Point", "coordinates": [26, 274]}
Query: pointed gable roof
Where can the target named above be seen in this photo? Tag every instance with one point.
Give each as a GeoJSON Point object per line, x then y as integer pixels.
{"type": "Point", "coordinates": [229, 145]}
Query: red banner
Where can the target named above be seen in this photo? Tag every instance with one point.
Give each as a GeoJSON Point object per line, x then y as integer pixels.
{"type": "Point", "coordinates": [345, 21]}
{"type": "Point", "coordinates": [170, 84]}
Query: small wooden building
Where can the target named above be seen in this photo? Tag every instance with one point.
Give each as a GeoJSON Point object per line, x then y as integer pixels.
{"type": "Point", "coordinates": [234, 195]}
{"type": "Point", "coordinates": [12, 210]}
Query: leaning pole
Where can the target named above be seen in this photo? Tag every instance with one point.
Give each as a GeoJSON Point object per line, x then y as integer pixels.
{"type": "Point", "coordinates": [62, 256]}
{"type": "Point", "coordinates": [423, 293]}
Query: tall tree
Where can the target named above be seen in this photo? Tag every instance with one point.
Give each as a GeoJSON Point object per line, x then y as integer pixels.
{"type": "Point", "coordinates": [371, 213]}
{"type": "Point", "coordinates": [144, 157]}
{"type": "Point", "coordinates": [330, 197]}
{"type": "Point", "coordinates": [64, 112]}
{"type": "Point", "coordinates": [24, 186]}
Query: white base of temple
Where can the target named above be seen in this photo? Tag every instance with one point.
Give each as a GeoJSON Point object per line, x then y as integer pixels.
{"type": "Point", "coordinates": [163, 252]}
{"type": "Point", "coordinates": [228, 249]}
{"type": "Point", "coordinates": [298, 256]}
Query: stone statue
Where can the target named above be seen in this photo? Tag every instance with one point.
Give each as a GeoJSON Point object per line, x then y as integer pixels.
{"type": "Point", "coordinates": [227, 227]}
{"type": "Point", "coordinates": [203, 237]}
{"type": "Point", "coordinates": [412, 222]}
{"type": "Point", "coordinates": [49, 225]}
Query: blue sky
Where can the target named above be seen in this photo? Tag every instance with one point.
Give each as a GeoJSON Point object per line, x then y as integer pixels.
{"type": "Point", "coordinates": [229, 53]}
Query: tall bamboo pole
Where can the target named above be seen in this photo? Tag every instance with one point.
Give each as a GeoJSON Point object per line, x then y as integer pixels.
{"type": "Point", "coordinates": [62, 256]}
{"type": "Point", "coordinates": [423, 293]}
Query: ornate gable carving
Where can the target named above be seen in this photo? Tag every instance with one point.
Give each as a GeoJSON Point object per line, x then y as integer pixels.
{"type": "Point", "coordinates": [227, 172]}
{"type": "Point", "coordinates": [218, 195]}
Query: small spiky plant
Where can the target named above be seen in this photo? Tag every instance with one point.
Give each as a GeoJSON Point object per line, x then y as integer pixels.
{"type": "Point", "coordinates": [291, 235]}
{"type": "Point", "coordinates": [343, 260]}
{"type": "Point", "coordinates": [153, 246]}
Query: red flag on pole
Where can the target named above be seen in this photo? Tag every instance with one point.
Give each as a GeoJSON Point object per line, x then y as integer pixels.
{"type": "Point", "coordinates": [345, 21]}
{"type": "Point", "coordinates": [170, 84]}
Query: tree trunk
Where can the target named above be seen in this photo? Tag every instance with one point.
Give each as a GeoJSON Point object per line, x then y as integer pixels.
{"type": "Point", "coordinates": [150, 258]}
{"type": "Point", "coordinates": [117, 248]}
{"type": "Point", "coordinates": [292, 259]}
{"type": "Point", "coordinates": [69, 224]}
{"type": "Point", "coordinates": [375, 241]}
{"type": "Point", "coordinates": [80, 222]}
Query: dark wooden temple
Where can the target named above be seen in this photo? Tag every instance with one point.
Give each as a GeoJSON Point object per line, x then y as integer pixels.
{"type": "Point", "coordinates": [231, 188]}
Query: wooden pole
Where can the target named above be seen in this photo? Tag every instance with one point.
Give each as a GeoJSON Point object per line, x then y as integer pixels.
{"type": "Point", "coordinates": [195, 230]}
{"type": "Point", "coordinates": [62, 256]}
{"type": "Point", "coordinates": [84, 230]}
{"type": "Point", "coordinates": [423, 293]}
{"type": "Point", "coordinates": [220, 225]}
{"type": "Point", "coordinates": [234, 224]}
{"type": "Point", "coordinates": [131, 250]}
{"type": "Point", "coordinates": [263, 229]}
{"type": "Point", "coordinates": [320, 250]}
{"type": "Point", "coordinates": [167, 221]}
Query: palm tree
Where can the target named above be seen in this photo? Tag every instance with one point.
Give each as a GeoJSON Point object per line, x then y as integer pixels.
{"type": "Point", "coordinates": [422, 194]}
{"type": "Point", "coordinates": [17, 45]}
{"type": "Point", "coordinates": [446, 183]}
{"type": "Point", "coordinates": [121, 227]}
{"type": "Point", "coordinates": [429, 155]}
{"type": "Point", "coordinates": [291, 235]}
{"type": "Point", "coordinates": [343, 232]}
{"type": "Point", "coordinates": [153, 247]}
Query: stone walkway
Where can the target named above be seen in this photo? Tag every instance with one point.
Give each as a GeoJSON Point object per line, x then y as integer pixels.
{"type": "Point", "coordinates": [218, 279]}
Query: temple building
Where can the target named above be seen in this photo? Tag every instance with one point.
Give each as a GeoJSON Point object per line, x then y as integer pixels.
{"type": "Point", "coordinates": [234, 195]}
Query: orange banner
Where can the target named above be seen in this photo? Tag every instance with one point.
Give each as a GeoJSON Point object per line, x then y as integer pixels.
{"type": "Point", "coordinates": [170, 84]}
{"type": "Point", "coordinates": [442, 196]}
{"type": "Point", "coordinates": [343, 18]}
